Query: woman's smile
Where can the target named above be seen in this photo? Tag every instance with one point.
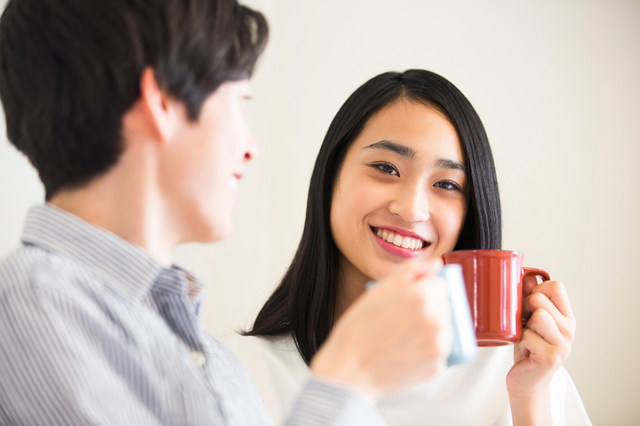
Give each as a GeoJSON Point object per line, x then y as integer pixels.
{"type": "Point", "coordinates": [399, 243]}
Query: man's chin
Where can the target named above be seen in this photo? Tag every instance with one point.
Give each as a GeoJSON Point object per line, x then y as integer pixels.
{"type": "Point", "coordinates": [211, 232]}
{"type": "Point", "coordinates": [220, 233]}
{"type": "Point", "coordinates": [221, 236]}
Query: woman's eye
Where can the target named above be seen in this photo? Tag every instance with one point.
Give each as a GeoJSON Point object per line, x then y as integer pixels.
{"type": "Point", "coordinates": [448, 185]}
{"type": "Point", "coordinates": [387, 168]}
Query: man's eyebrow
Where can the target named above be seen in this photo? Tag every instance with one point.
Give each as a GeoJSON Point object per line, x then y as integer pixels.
{"type": "Point", "coordinates": [402, 150]}
{"type": "Point", "coordinates": [451, 164]}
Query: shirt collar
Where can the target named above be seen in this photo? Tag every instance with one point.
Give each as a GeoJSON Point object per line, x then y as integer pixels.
{"type": "Point", "coordinates": [181, 283]}
{"type": "Point", "coordinates": [126, 268]}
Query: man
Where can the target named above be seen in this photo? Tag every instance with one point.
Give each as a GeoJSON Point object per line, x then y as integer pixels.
{"type": "Point", "coordinates": [131, 111]}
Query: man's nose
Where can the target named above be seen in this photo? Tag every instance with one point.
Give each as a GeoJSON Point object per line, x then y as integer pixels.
{"type": "Point", "coordinates": [252, 149]}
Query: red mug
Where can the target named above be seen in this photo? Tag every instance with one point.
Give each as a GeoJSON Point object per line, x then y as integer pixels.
{"type": "Point", "coordinates": [493, 279]}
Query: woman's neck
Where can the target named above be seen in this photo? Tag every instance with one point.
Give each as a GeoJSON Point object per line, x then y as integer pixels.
{"type": "Point", "coordinates": [351, 284]}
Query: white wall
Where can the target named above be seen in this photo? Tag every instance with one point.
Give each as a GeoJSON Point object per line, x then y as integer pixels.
{"type": "Point", "coordinates": [557, 85]}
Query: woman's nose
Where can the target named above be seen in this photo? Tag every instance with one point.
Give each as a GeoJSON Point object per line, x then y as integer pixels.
{"type": "Point", "coordinates": [411, 204]}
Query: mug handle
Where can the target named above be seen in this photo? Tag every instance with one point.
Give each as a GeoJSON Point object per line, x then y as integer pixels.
{"type": "Point", "coordinates": [527, 272]}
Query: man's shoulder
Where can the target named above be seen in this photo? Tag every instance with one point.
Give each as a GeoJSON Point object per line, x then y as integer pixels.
{"type": "Point", "coordinates": [34, 268]}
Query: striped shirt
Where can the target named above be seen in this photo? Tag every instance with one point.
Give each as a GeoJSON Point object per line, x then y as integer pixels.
{"type": "Point", "coordinates": [93, 331]}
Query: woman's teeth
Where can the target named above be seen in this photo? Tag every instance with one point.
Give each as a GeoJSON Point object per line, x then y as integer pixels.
{"type": "Point", "coordinates": [399, 240]}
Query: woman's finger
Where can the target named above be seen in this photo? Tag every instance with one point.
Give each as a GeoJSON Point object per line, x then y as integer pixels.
{"type": "Point", "coordinates": [528, 284]}
{"type": "Point", "coordinates": [539, 350]}
{"type": "Point", "coordinates": [543, 324]}
{"type": "Point", "coordinates": [557, 293]}
{"type": "Point", "coordinates": [538, 301]}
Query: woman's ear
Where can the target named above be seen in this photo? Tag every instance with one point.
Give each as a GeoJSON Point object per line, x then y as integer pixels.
{"type": "Point", "coordinates": [164, 112]}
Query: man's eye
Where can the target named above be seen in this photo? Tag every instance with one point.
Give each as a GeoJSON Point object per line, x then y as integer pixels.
{"type": "Point", "coordinates": [448, 185]}
{"type": "Point", "coordinates": [387, 168]}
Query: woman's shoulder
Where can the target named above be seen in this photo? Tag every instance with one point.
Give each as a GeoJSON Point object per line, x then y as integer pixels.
{"type": "Point", "coordinates": [278, 352]}
{"type": "Point", "coordinates": [276, 368]}
{"type": "Point", "coordinates": [252, 343]}
{"type": "Point", "coordinates": [260, 344]}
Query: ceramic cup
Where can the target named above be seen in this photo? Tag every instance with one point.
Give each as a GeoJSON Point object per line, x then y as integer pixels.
{"type": "Point", "coordinates": [493, 280]}
{"type": "Point", "coordinates": [464, 347]}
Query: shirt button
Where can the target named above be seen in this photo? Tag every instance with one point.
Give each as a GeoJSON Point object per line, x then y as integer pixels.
{"type": "Point", "coordinates": [197, 358]}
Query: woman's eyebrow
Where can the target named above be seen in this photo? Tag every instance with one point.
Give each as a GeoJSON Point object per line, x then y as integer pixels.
{"type": "Point", "coordinates": [451, 164]}
{"type": "Point", "coordinates": [402, 150]}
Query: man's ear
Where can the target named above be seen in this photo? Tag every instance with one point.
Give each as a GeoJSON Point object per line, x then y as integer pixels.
{"type": "Point", "coordinates": [164, 112]}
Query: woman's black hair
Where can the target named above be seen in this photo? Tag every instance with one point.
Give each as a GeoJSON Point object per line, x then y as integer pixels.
{"type": "Point", "coordinates": [304, 303]}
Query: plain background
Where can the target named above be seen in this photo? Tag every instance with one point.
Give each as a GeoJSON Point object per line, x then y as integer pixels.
{"type": "Point", "coordinates": [557, 84]}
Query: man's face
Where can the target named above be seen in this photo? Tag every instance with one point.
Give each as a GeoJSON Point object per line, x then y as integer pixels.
{"type": "Point", "coordinates": [202, 165]}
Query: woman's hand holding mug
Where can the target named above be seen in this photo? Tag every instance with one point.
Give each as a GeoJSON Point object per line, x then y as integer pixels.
{"type": "Point", "coordinates": [545, 345]}
{"type": "Point", "coordinates": [503, 296]}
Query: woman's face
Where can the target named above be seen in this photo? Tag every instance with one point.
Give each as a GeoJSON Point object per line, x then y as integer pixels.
{"type": "Point", "coordinates": [401, 193]}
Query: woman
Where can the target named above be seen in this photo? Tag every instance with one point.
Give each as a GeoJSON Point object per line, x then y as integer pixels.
{"type": "Point", "coordinates": [405, 171]}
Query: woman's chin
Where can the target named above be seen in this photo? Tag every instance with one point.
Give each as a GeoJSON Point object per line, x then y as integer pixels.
{"type": "Point", "coordinates": [383, 269]}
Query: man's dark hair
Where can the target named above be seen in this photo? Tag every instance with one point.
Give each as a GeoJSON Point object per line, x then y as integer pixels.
{"type": "Point", "coordinates": [303, 305]}
{"type": "Point", "coordinates": [71, 69]}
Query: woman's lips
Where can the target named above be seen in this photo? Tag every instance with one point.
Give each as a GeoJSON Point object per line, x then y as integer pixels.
{"type": "Point", "coordinates": [398, 244]}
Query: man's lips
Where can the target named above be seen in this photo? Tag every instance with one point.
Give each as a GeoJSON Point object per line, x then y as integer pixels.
{"type": "Point", "coordinates": [233, 181]}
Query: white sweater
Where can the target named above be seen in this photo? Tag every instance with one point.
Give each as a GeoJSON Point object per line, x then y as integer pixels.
{"type": "Point", "coordinates": [465, 395]}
